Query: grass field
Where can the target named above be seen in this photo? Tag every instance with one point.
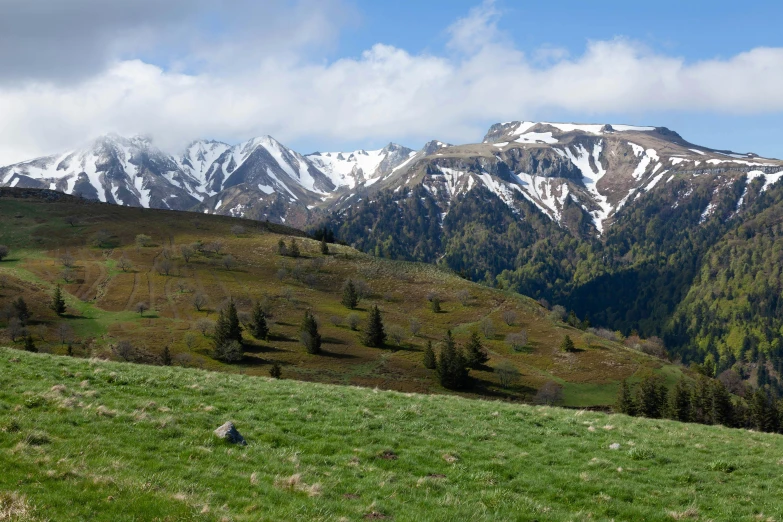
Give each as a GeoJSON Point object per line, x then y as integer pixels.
{"type": "Point", "coordinates": [92, 440]}
{"type": "Point", "coordinates": [102, 299]}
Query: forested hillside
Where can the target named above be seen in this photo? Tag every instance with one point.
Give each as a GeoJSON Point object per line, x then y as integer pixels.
{"type": "Point", "coordinates": [694, 261]}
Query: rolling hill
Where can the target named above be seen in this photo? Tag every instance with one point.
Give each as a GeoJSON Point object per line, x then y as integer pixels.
{"type": "Point", "coordinates": [92, 250]}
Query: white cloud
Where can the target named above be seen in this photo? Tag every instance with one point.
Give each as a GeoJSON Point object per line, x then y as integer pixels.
{"type": "Point", "coordinates": [386, 93]}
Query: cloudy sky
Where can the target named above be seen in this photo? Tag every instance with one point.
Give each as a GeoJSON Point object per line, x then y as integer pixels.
{"type": "Point", "coordinates": [347, 74]}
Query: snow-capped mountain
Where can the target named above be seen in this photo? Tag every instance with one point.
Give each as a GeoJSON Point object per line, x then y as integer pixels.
{"type": "Point", "coordinates": [349, 169]}
{"type": "Point", "coordinates": [111, 169]}
{"type": "Point", "coordinates": [599, 168]}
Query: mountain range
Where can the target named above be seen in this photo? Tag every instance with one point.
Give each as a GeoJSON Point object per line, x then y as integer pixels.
{"type": "Point", "coordinates": [631, 227]}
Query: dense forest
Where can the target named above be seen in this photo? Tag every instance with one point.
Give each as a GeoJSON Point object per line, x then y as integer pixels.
{"type": "Point", "coordinates": [708, 283]}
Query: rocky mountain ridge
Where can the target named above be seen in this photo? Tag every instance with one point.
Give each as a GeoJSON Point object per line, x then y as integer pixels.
{"type": "Point", "coordinates": [597, 167]}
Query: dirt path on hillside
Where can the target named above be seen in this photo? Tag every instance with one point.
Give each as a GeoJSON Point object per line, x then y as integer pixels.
{"type": "Point", "coordinates": [169, 298]}
{"type": "Point", "coordinates": [132, 295]}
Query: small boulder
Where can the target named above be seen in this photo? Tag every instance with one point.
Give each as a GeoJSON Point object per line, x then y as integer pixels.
{"type": "Point", "coordinates": [230, 434]}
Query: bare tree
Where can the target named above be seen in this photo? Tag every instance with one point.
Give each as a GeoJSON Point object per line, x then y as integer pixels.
{"type": "Point", "coordinates": [464, 297]}
{"type": "Point", "coordinates": [311, 280]}
{"type": "Point", "coordinates": [143, 240]}
{"type": "Point", "coordinates": [396, 334]}
{"type": "Point", "coordinates": [68, 274]}
{"type": "Point", "coordinates": [190, 341]}
{"type": "Point", "coordinates": [142, 307]}
{"type": "Point", "coordinates": [229, 262]}
{"type": "Point", "coordinates": [124, 263]}
{"type": "Point", "coordinates": [166, 253]}
{"type": "Point", "coordinates": [288, 293]}
{"type": "Point", "coordinates": [183, 286]}
{"type": "Point", "coordinates": [237, 230]}
{"type": "Point", "coordinates": [200, 301]}
{"type": "Point", "coordinates": [67, 260]}
{"type": "Point", "coordinates": [353, 321]}
{"type": "Point", "coordinates": [72, 220]}
{"type": "Point", "coordinates": [414, 325]}
{"type": "Point", "coordinates": [317, 263]}
{"type": "Point", "coordinates": [15, 329]}
{"type": "Point", "coordinates": [558, 313]}
{"type": "Point", "coordinates": [507, 373]}
{"type": "Point", "coordinates": [509, 317]}
{"type": "Point", "coordinates": [3, 252]}
{"type": "Point", "coordinates": [205, 326]}
{"type": "Point", "coordinates": [100, 238]}
{"type": "Point", "coordinates": [517, 341]}
{"type": "Point", "coordinates": [215, 246]}
{"type": "Point", "coordinates": [488, 328]}
{"type": "Point", "coordinates": [64, 332]}
{"type": "Point", "coordinates": [187, 252]}
{"type": "Point", "coordinates": [164, 266]}
{"type": "Point", "coordinates": [336, 320]}
{"type": "Point", "coordinates": [124, 350]}
{"type": "Point", "coordinates": [550, 393]}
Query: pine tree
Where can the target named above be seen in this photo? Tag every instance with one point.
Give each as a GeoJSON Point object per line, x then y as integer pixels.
{"type": "Point", "coordinates": [227, 327]}
{"type": "Point", "coordinates": [625, 402]}
{"type": "Point", "coordinates": [58, 302]}
{"type": "Point", "coordinates": [308, 334]}
{"type": "Point", "coordinates": [722, 407]}
{"type": "Point", "coordinates": [281, 248]}
{"type": "Point", "coordinates": [260, 330]}
{"type": "Point", "coordinates": [293, 248]}
{"type": "Point", "coordinates": [229, 352]}
{"type": "Point", "coordinates": [475, 353]}
{"type": "Point", "coordinates": [429, 357]}
{"type": "Point", "coordinates": [680, 402]}
{"type": "Point", "coordinates": [567, 345]}
{"type": "Point", "coordinates": [69, 350]}
{"type": "Point", "coordinates": [29, 345]}
{"type": "Point", "coordinates": [350, 295]}
{"type": "Point", "coordinates": [324, 246]}
{"type": "Point", "coordinates": [165, 357]}
{"type": "Point", "coordinates": [701, 401]}
{"type": "Point", "coordinates": [452, 366]}
{"type": "Point", "coordinates": [21, 310]}
{"type": "Point", "coordinates": [435, 304]}
{"type": "Point", "coordinates": [651, 397]}
{"type": "Point", "coordinates": [275, 371]}
{"type": "Point", "coordinates": [374, 335]}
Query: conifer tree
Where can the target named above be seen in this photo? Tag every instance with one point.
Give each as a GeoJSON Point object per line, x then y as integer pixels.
{"type": "Point", "coordinates": [651, 397]}
{"type": "Point", "coordinates": [22, 311]}
{"type": "Point", "coordinates": [475, 353]}
{"type": "Point", "coordinates": [29, 345]}
{"type": "Point", "coordinates": [260, 330]}
{"type": "Point", "coordinates": [625, 402]}
{"type": "Point", "coordinates": [567, 345]}
{"type": "Point", "coordinates": [452, 366]}
{"type": "Point", "coordinates": [275, 371]}
{"type": "Point", "coordinates": [58, 302]}
{"type": "Point", "coordinates": [165, 357]}
{"type": "Point", "coordinates": [722, 407]}
{"type": "Point", "coordinates": [227, 327]}
{"type": "Point", "coordinates": [281, 248]}
{"type": "Point", "coordinates": [324, 246]}
{"type": "Point", "coordinates": [293, 248]}
{"type": "Point", "coordinates": [680, 402]}
{"type": "Point", "coordinates": [350, 295]}
{"type": "Point", "coordinates": [308, 334]}
{"type": "Point", "coordinates": [429, 357]}
{"type": "Point", "coordinates": [374, 335]}
{"type": "Point", "coordinates": [701, 401]}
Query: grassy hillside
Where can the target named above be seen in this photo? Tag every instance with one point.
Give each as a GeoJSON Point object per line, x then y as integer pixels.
{"type": "Point", "coordinates": [91, 440]}
{"type": "Point", "coordinates": [102, 300]}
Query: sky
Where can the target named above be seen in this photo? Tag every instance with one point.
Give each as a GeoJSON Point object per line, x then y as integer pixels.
{"type": "Point", "coordinates": [350, 74]}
